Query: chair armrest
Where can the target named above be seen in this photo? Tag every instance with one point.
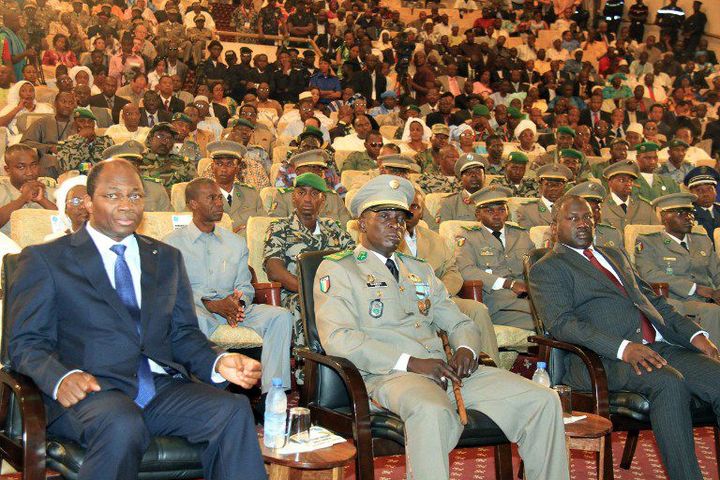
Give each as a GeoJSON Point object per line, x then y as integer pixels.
{"type": "Point", "coordinates": [472, 290]}
{"type": "Point", "coordinates": [661, 288]}
{"type": "Point", "coordinates": [32, 413]}
{"type": "Point", "coordinates": [267, 293]}
{"type": "Point", "coordinates": [350, 376]}
{"type": "Point", "coordinates": [596, 370]}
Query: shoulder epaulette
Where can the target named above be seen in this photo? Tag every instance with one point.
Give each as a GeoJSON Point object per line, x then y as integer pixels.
{"type": "Point", "coordinates": [606, 225]}
{"type": "Point", "coordinates": [285, 189]}
{"type": "Point", "coordinates": [448, 195]}
{"type": "Point", "coordinates": [402, 255]}
{"type": "Point", "coordinates": [530, 200]}
{"type": "Point", "coordinates": [515, 226]}
{"type": "Point", "coordinates": [338, 255]}
{"type": "Point", "coordinates": [151, 179]}
{"type": "Point", "coordinates": [247, 185]}
{"type": "Point", "coordinates": [470, 228]}
{"type": "Point", "coordinates": [651, 234]}
{"type": "Point", "coordinates": [640, 197]}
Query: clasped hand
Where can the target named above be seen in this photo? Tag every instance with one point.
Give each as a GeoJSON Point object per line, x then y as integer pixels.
{"type": "Point", "coordinates": [462, 364]}
{"type": "Point", "coordinates": [230, 308]}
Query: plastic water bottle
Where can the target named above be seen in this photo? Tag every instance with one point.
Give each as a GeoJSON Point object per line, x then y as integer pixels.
{"type": "Point", "coordinates": [541, 375]}
{"type": "Point", "coordinates": [275, 415]}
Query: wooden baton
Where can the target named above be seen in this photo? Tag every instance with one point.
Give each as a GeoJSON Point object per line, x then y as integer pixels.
{"type": "Point", "coordinates": [456, 386]}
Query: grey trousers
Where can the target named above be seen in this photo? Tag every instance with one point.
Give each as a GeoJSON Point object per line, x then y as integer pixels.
{"type": "Point", "coordinates": [479, 314]}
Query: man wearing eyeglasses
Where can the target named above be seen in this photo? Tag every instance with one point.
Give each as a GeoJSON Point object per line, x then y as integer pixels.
{"type": "Point", "coordinates": [160, 163]}
{"type": "Point", "coordinates": [683, 259]}
{"type": "Point", "coordinates": [366, 160]}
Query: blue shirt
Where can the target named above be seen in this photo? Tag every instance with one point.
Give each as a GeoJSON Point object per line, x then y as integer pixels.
{"type": "Point", "coordinates": [324, 82]}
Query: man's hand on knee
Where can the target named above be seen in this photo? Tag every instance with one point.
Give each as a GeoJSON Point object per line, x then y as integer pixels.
{"type": "Point", "coordinates": [640, 356]}
{"type": "Point", "coordinates": [437, 370]}
{"type": "Point", "coordinates": [239, 369]}
{"type": "Point", "coordinates": [75, 387]}
{"type": "Point", "coordinates": [464, 362]}
{"type": "Point", "coordinates": [702, 343]}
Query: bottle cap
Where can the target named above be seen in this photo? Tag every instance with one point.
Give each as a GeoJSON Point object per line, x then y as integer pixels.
{"type": "Point", "coordinates": [277, 382]}
{"type": "Point", "coordinates": [542, 365]}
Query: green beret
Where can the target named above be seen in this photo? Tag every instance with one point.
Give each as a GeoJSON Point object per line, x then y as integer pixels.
{"type": "Point", "coordinates": [182, 118]}
{"type": "Point", "coordinates": [83, 113]}
{"type": "Point", "coordinates": [413, 107]}
{"type": "Point", "coordinates": [675, 142]}
{"type": "Point", "coordinates": [572, 153]}
{"type": "Point", "coordinates": [620, 75]}
{"type": "Point", "coordinates": [518, 157]}
{"type": "Point", "coordinates": [649, 147]}
{"type": "Point", "coordinates": [565, 130]}
{"type": "Point", "coordinates": [244, 122]}
{"type": "Point", "coordinates": [515, 113]}
{"type": "Point", "coordinates": [311, 131]}
{"type": "Point", "coordinates": [480, 111]}
{"type": "Point", "coordinates": [311, 180]}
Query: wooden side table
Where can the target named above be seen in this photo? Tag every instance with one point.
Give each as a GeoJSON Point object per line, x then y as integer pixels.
{"type": "Point", "coordinates": [289, 467]}
{"type": "Point", "coordinates": [588, 434]}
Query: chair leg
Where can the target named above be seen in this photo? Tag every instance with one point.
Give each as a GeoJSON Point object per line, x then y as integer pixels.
{"type": "Point", "coordinates": [364, 459]}
{"type": "Point", "coordinates": [503, 462]}
{"type": "Point", "coordinates": [716, 435]}
{"type": "Point", "coordinates": [629, 450]}
{"type": "Point", "coordinates": [608, 473]}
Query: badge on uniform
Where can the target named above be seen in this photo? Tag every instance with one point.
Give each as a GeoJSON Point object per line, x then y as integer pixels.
{"type": "Point", "coordinates": [362, 256]}
{"type": "Point", "coordinates": [610, 243]}
{"type": "Point", "coordinates": [414, 278]}
{"type": "Point", "coordinates": [325, 284]}
{"type": "Point", "coordinates": [702, 252]}
{"type": "Point", "coordinates": [376, 308]}
{"type": "Point", "coordinates": [486, 252]}
{"type": "Point", "coordinates": [542, 208]}
{"type": "Point", "coordinates": [422, 290]}
{"type": "Point", "coordinates": [273, 206]}
{"type": "Point", "coordinates": [639, 247]}
{"type": "Point", "coordinates": [667, 241]}
{"type": "Point", "coordinates": [424, 306]}
{"type": "Point", "coordinates": [460, 241]}
{"type": "Point", "coordinates": [373, 283]}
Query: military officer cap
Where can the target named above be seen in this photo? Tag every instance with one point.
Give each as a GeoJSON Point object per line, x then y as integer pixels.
{"type": "Point", "coordinates": [244, 122]}
{"type": "Point", "coordinates": [413, 107]}
{"type": "Point", "coordinates": [490, 194]}
{"type": "Point", "coordinates": [182, 118]}
{"type": "Point", "coordinates": [440, 129]}
{"type": "Point", "coordinates": [701, 176]}
{"type": "Point", "coordinates": [84, 113]}
{"type": "Point", "coordinates": [311, 131]}
{"type": "Point", "coordinates": [676, 142]}
{"type": "Point", "coordinates": [588, 190]}
{"type": "Point", "coordinates": [226, 148]}
{"type": "Point", "coordinates": [649, 147]}
{"type": "Point", "coordinates": [131, 149]}
{"type": "Point", "coordinates": [309, 179]}
{"type": "Point", "coordinates": [317, 156]}
{"type": "Point", "coordinates": [30, 4]}
{"type": "Point", "coordinates": [515, 113]}
{"type": "Point", "coordinates": [399, 161]}
{"type": "Point", "coordinates": [480, 111]}
{"type": "Point", "coordinates": [675, 201]}
{"type": "Point", "coordinates": [572, 153]}
{"type": "Point", "coordinates": [384, 192]}
{"type": "Point", "coordinates": [627, 167]}
{"type": "Point", "coordinates": [555, 171]}
{"type": "Point", "coordinates": [518, 157]}
{"type": "Point", "coordinates": [468, 160]}
{"type": "Point", "coordinates": [565, 130]}
{"type": "Point", "coordinates": [162, 126]}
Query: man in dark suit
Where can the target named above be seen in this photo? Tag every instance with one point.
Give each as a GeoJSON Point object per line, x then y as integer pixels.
{"type": "Point", "coordinates": [370, 82]}
{"type": "Point", "coordinates": [712, 131]}
{"type": "Point", "coordinates": [592, 116]}
{"type": "Point", "coordinates": [169, 102]}
{"type": "Point", "coordinates": [593, 297]}
{"type": "Point", "coordinates": [104, 324]}
{"type": "Point", "coordinates": [151, 114]}
{"type": "Point", "coordinates": [108, 99]}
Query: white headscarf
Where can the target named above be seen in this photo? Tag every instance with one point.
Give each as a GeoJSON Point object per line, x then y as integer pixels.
{"type": "Point", "coordinates": [526, 125]}
{"type": "Point", "coordinates": [457, 130]}
{"type": "Point", "coordinates": [427, 133]}
{"type": "Point", "coordinates": [61, 196]}
{"type": "Point", "coordinates": [79, 68]}
{"type": "Point", "coordinates": [13, 96]}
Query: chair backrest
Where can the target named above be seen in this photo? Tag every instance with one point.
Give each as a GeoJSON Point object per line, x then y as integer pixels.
{"type": "Point", "coordinates": [592, 160]}
{"type": "Point", "coordinates": [279, 152]}
{"type": "Point", "coordinates": [9, 266]}
{"type": "Point", "coordinates": [716, 239]}
{"type": "Point", "coordinates": [705, 145]}
{"type": "Point", "coordinates": [539, 235]}
{"type": "Point", "coordinates": [632, 231]}
{"type": "Point", "coordinates": [450, 230]}
{"type": "Point", "coordinates": [202, 165]}
{"type": "Point", "coordinates": [432, 203]}
{"type": "Point", "coordinates": [177, 196]}
{"type": "Point", "coordinates": [348, 198]}
{"type": "Point", "coordinates": [274, 172]}
{"type": "Point", "coordinates": [256, 232]}
{"type": "Point", "coordinates": [348, 177]}
{"type": "Point", "coordinates": [266, 194]}
{"type": "Point", "coordinates": [158, 224]}
{"type": "Point", "coordinates": [388, 131]}
{"type": "Point", "coordinates": [30, 226]}
{"type": "Point", "coordinates": [340, 157]}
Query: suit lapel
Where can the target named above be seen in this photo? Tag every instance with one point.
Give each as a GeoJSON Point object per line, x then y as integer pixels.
{"type": "Point", "coordinates": [586, 266]}
{"type": "Point", "coordinates": [148, 278]}
{"type": "Point", "coordinates": [511, 238]}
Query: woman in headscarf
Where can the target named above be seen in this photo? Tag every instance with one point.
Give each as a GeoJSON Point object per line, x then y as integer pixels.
{"type": "Point", "coordinates": [69, 198]}
{"type": "Point", "coordinates": [82, 75]}
{"type": "Point", "coordinates": [463, 137]}
{"type": "Point", "coordinates": [20, 99]}
{"type": "Point", "coordinates": [415, 137]}
{"type": "Point", "coordinates": [526, 135]}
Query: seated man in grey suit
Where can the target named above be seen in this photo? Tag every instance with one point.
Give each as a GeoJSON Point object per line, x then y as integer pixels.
{"type": "Point", "coordinates": [593, 297]}
{"type": "Point", "coordinates": [217, 263]}
{"type": "Point", "coordinates": [381, 309]}
{"type": "Point", "coordinates": [45, 133]}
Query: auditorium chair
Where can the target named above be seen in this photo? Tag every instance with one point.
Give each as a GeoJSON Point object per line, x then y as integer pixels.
{"type": "Point", "coordinates": [177, 197]}
{"type": "Point", "coordinates": [336, 395]}
{"type": "Point", "coordinates": [202, 165]}
{"type": "Point", "coordinates": [628, 411]}
{"type": "Point", "coordinates": [632, 231]}
{"type": "Point", "coordinates": [540, 235]}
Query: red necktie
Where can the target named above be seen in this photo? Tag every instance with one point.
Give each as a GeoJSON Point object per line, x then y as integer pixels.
{"type": "Point", "coordinates": [596, 118]}
{"type": "Point", "coordinates": [648, 331]}
{"type": "Point", "coordinates": [652, 94]}
{"type": "Point", "coordinates": [167, 105]}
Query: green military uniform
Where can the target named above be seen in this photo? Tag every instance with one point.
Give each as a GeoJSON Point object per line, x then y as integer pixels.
{"type": "Point", "coordinates": [378, 321]}
{"type": "Point", "coordinates": [281, 205]}
{"type": "Point", "coordinates": [8, 193]}
{"type": "Point", "coordinates": [427, 162]}
{"type": "Point", "coordinates": [359, 161]}
{"type": "Point", "coordinates": [287, 238]}
{"type": "Point", "coordinates": [168, 169]}
{"type": "Point", "coordinates": [438, 182]}
{"type": "Point", "coordinates": [156, 197]}
{"type": "Point", "coordinates": [662, 185]}
{"type": "Point", "coordinates": [76, 150]}
{"type": "Point", "coordinates": [660, 257]}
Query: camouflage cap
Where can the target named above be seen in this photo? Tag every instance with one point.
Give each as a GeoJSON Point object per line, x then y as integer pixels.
{"type": "Point", "coordinates": [384, 192]}
{"type": "Point", "coordinates": [181, 117]}
{"type": "Point", "coordinates": [440, 129]}
{"type": "Point", "coordinates": [162, 126]}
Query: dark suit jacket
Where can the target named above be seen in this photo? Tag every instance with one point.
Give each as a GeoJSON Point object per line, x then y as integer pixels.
{"type": "Point", "coordinates": [363, 84]}
{"type": "Point", "coordinates": [709, 223]}
{"type": "Point", "coordinates": [580, 305]}
{"type": "Point", "coordinates": [99, 100]}
{"type": "Point", "coordinates": [182, 70]}
{"type": "Point", "coordinates": [586, 117]}
{"type": "Point", "coordinates": [176, 105]}
{"type": "Point", "coordinates": [712, 131]}
{"type": "Point", "coordinates": [66, 315]}
{"type": "Point", "coordinates": [163, 116]}
{"type": "Point", "coordinates": [221, 113]}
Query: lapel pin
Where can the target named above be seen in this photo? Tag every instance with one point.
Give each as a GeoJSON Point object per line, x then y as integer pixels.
{"type": "Point", "coordinates": [154, 252]}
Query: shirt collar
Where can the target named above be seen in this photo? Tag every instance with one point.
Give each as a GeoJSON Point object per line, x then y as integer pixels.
{"type": "Point", "coordinates": [675, 239]}
{"type": "Point", "coordinates": [580, 251]}
{"type": "Point", "coordinates": [502, 230]}
{"type": "Point", "coordinates": [383, 258]}
{"type": "Point", "coordinates": [618, 200]}
{"type": "Point", "coordinates": [104, 243]}
{"type": "Point", "coordinates": [194, 232]}
{"type": "Point", "coordinates": [547, 203]}
{"type": "Point", "coordinates": [225, 193]}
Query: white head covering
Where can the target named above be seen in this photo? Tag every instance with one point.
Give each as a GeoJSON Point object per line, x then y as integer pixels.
{"type": "Point", "coordinates": [380, 44]}
{"type": "Point", "coordinates": [635, 128]}
{"type": "Point", "coordinates": [77, 69]}
{"type": "Point", "coordinates": [427, 133]}
{"type": "Point", "coordinates": [61, 196]}
{"type": "Point", "coordinates": [525, 125]}
{"type": "Point", "coordinates": [457, 130]}
{"type": "Point", "coordinates": [13, 96]}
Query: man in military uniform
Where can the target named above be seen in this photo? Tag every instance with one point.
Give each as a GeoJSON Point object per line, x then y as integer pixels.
{"type": "Point", "coordinates": [553, 178]}
{"type": "Point", "coordinates": [575, 161]}
{"type": "Point", "coordinates": [650, 185]}
{"type": "Point", "coordinates": [84, 149]}
{"type": "Point", "coordinates": [366, 160]}
{"type": "Point", "coordinates": [470, 169]}
{"type": "Point", "coordinates": [198, 36]}
{"type": "Point", "coordinates": [495, 146]}
{"type": "Point", "coordinates": [381, 310]}
{"type": "Point", "coordinates": [638, 15]}
{"type": "Point", "coordinates": [676, 166]}
{"type": "Point", "coordinates": [670, 19]}
{"type": "Point", "coordinates": [564, 138]}
{"type": "Point", "coordinates": [244, 131]}
{"type": "Point", "coordinates": [302, 231]}
{"type": "Point", "coordinates": [392, 164]}
{"type": "Point", "coordinates": [514, 176]}
{"type": "Point", "coordinates": [620, 207]}
{"type": "Point", "coordinates": [443, 180]}
{"type": "Point", "coordinates": [702, 182]}
{"type": "Point", "coordinates": [240, 201]}
{"type": "Point", "coordinates": [282, 202]}
{"type": "Point", "coordinates": [156, 197]}
{"type": "Point", "coordinates": [158, 162]}
{"type": "Point", "coordinates": [21, 188]}
{"type": "Point", "coordinates": [183, 125]}
{"type": "Point", "coordinates": [423, 243]}
{"type": "Point", "coordinates": [429, 160]}
{"type": "Point", "coordinates": [684, 260]}
{"type": "Point", "coordinates": [493, 252]}
{"type": "Point", "coordinates": [172, 34]}
{"type": "Point", "coordinates": [618, 153]}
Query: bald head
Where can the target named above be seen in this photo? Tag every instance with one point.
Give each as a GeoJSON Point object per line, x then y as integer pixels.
{"type": "Point", "coordinates": [131, 116]}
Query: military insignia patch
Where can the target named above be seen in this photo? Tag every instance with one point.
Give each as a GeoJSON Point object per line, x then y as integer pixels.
{"type": "Point", "coordinates": [460, 241]}
{"type": "Point", "coordinates": [325, 284]}
{"type": "Point", "coordinates": [424, 306]}
{"type": "Point", "coordinates": [702, 252]}
{"type": "Point", "coordinates": [542, 208]}
{"type": "Point", "coordinates": [394, 184]}
{"type": "Point", "coordinates": [362, 256]}
{"type": "Point", "coordinates": [666, 241]}
{"type": "Point", "coordinates": [414, 278]}
{"type": "Point", "coordinates": [437, 219]}
{"type": "Point", "coordinates": [422, 291]}
{"type": "Point", "coordinates": [376, 308]}
{"type": "Point", "coordinates": [610, 243]}
{"type": "Point", "coordinates": [639, 247]}
{"type": "Point", "coordinates": [273, 206]}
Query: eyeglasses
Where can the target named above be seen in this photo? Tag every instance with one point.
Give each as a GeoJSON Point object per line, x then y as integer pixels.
{"type": "Point", "coordinates": [75, 201]}
{"type": "Point", "coordinates": [376, 144]}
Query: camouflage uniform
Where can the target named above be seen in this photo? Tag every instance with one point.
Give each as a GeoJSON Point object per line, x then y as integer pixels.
{"type": "Point", "coordinates": [333, 208]}
{"type": "Point", "coordinates": [287, 238]}
{"type": "Point", "coordinates": [528, 187]}
{"type": "Point", "coordinates": [191, 150]}
{"type": "Point", "coordinates": [260, 155]}
{"type": "Point", "coordinates": [438, 183]}
{"type": "Point", "coordinates": [76, 150]}
{"type": "Point", "coordinates": [426, 162]}
{"type": "Point", "coordinates": [168, 169]}
{"type": "Point", "coordinates": [360, 161]}
{"type": "Point", "coordinates": [171, 33]}
{"type": "Point", "coordinates": [244, 20]}
{"type": "Point", "coordinates": [495, 169]}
